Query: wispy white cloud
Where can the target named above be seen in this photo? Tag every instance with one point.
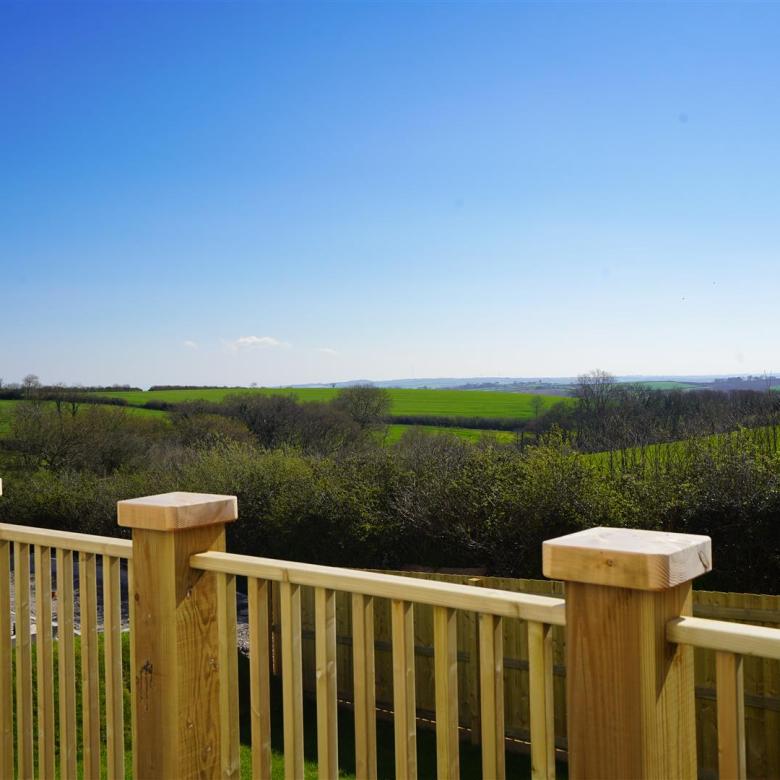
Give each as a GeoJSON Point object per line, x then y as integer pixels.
{"type": "Point", "coordinates": [254, 342]}
{"type": "Point", "coordinates": [328, 351]}
{"type": "Point", "coordinates": [190, 344]}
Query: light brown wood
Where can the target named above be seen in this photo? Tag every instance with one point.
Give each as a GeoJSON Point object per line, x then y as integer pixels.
{"type": "Point", "coordinates": [175, 636]}
{"type": "Point", "coordinates": [731, 717]}
{"type": "Point", "coordinates": [133, 668]}
{"type": "Point", "coordinates": [627, 558]}
{"type": "Point", "coordinates": [112, 647]}
{"type": "Point", "coordinates": [292, 682]}
{"type": "Point", "coordinates": [541, 695]}
{"type": "Point", "coordinates": [24, 696]}
{"type": "Point", "coordinates": [445, 644]}
{"type": "Point", "coordinates": [90, 681]}
{"type": "Point", "coordinates": [176, 511]}
{"type": "Point", "coordinates": [227, 665]}
{"type": "Point", "coordinates": [729, 637]}
{"type": "Point", "coordinates": [364, 686]}
{"type": "Point", "coordinates": [630, 693]}
{"type": "Point", "coordinates": [6, 660]}
{"type": "Point", "coordinates": [44, 661]}
{"type": "Point", "coordinates": [327, 702]}
{"type": "Point", "coordinates": [66, 665]}
{"type": "Point", "coordinates": [259, 676]}
{"type": "Point", "coordinates": [404, 703]}
{"type": "Point", "coordinates": [491, 683]}
{"type": "Point", "coordinates": [502, 603]}
{"type": "Point", "coordinates": [100, 545]}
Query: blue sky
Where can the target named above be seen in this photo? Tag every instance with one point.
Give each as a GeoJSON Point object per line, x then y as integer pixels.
{"type": "Point", "coordinates": [233, 193]}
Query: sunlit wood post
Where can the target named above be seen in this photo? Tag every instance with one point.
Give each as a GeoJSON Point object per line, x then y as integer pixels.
{"type": "Point", "coordinates": [629, 692]}
{"type": "Point", "coordinates": [176, 696]}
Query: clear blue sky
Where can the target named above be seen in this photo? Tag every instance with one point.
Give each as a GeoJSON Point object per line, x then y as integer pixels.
{"type": "Point", "coordinates": [228, 193]}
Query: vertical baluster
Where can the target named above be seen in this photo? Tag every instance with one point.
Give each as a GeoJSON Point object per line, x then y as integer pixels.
{"type": "Point", "coordinates": [24, 696]}
{"type": "Point", "coordinates": [731, 716]}
{"type": "Point", "coordinates": [540, 685]}
{"type": "Point", "coordinates": [6, 678]}
{"type": "Point", "coordinates": [445, 651]}
{"type": "Point", "coordinates": [404, 704]}
{"type": "Point", "coordinates": [292, 682]}
{"type": "Point", "coordinates": [66, 665]}
{"type": "Point", "coordinates": [327, 704]}
{"type": "Point", "coordinates": [131, 616]}
{"type": "Point", "coordinates": [491, 660]}
{"type": "Point", "coordinates": [90, 681]}
{"type": "Point", "coordinates": [112, 646]}
{"type": "Point", "coordinates": [259, 676]}
{"type": "Point", "coordinates": [228, 675]}
{"type": "Point", "coordinates": [44, 661]}
{"type": "Point", "coordinates": [364, 685]}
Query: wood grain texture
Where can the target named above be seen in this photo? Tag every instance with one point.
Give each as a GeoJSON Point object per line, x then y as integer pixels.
{"type": "Point", "coordinates": [258, 593]}
{"type": "Point", "coordinates": [728, 637]}
{"type": "Point", "coordinates": [44, 661]}
{"type": "Point", "coordinates": [6, 661]}
{"type": "Point", "coordinates": [541, 696]}
{"type": "Point", "coordinates": [445, 643]}
{"type": "Point", "coordinates": [364, 686]}
{"type": "Point", "coordinates": [627, 558]}
{"type": "Point", "coordinates": [227, 664]}
{"type": "Point", "coordinates": [630, 693]}
{"type": "Point", "coordinates": [100, 545]}
{"type": "Point", "coordinates": [66, 665]}
{"type": "Point", "coordinates": [90, 681]}
{"type": "Point", "coordinates": [176, 648]}
{"type": "Point", "coordinates": [404, 706]}
{"type": "Point", "coordinates": [176, 511]}
{"type": "Point", "coordinates": [325, 669]}
{"type": "Point", "coordinates": [491, 684]}
{"type": "Point", "coordinates": [731, 717]}
{"type": "Point", "coordinates": [112, 647]}
{"type": "Point", "coordinates": [422, 591]}
{"type": "Point", "coordinates": [24, 695]}
{"type": "Point", "coordinates": [292, 683]}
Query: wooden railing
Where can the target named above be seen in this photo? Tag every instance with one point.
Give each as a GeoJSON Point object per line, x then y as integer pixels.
{"type": "Point", "coordinates": [629, 659]}
{"type": "Point", "coordinates": [67, 550]}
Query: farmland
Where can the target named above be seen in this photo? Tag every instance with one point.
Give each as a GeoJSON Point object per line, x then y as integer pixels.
{"type": "Point", "coordinates": [440, 403]}
{"type": "Point", "coordinates": [395, 432]}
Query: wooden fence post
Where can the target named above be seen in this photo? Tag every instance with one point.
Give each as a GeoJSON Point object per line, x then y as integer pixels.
{"type": "Point", "coordinates": [176, 702]}
{"type": "Point", "coordinates": [629, 692]}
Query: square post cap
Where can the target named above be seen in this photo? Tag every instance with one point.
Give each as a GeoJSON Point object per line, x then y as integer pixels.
{"type": "Point", "coordinates": [176, 511]}
{"type": "Point", "coordinates": [627, 558]}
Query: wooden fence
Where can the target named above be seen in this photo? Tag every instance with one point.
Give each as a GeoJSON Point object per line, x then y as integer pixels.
{"type": "Point", "coordinates": [761, 675]}
{"type": "Point", "coordinates": [401, 646]}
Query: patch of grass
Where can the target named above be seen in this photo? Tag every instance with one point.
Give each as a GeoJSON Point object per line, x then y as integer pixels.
{"type": "Point", "coordinates": [395, 432]}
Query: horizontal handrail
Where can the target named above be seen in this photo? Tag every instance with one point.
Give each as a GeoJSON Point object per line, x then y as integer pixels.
{"type": "Point", "coordinates": [67, 540]}
{"type": "Point", "coordinates": [544, 609]}
{"type": "Point", "coordinates": [739, 638]}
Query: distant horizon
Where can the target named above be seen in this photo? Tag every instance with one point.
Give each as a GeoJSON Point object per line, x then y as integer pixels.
{"type": "Point", "coordinates": [505, 379]}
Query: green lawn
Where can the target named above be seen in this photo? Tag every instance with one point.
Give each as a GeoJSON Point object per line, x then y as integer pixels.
{"type": "Point", "coordinates": [6, 409]}
{"type": "Point", "coordinates": [443, 403]}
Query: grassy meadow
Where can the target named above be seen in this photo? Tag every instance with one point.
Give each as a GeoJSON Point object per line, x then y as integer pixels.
{"type": "Point", "coordinates": [442, 403]}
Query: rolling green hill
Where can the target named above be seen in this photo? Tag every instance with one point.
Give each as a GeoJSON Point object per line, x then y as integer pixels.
{"type": "Point", "coordinates": [442, 403]}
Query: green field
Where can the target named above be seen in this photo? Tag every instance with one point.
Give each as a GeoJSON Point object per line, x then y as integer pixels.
{"type": "Point", "coordinates": [6, 409]}
{"type": "Point", "coordinates": [442, 403]}
{"type": "Point", "coordinates": [669, 385]}
{"type": "Point", "coordinates": [395, 432]}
